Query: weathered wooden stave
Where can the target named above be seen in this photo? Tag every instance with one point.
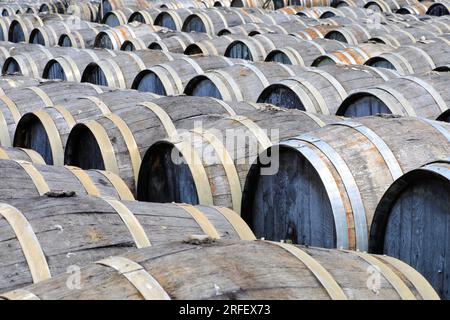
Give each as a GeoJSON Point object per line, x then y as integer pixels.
{"type": "Point", "coordinates": [113, 38]}
{"type": "Point", "coordinates": [82, 39]}
{"type": "Point", "coordinates": [120, 141]}
{"type": "Point", "coordinates": [215, 158]}
{"type": "Point", "coordinates": [353, 55]}
{"type": "Point", "coordinates": [120, 71]}
{"type": "Point", "coordinates": [21, 154]}
{"type": "Point", "coordinates": [179, 42]}
{"type": "Point", "coordinates": [303, 273]}
{"type": "Point", "coordinates": [419, 58]}
{"type": "Point", "coordinates": [418, 95]}
{"type": "Point", "coordinates": [58, 121]}
{"type": "Point", "coordinates": [170, 78]}
{"type": "Point", "coordinates": [16, 102]}
{"type": "Point", "coordinates": [25, 180]}
{"type": "Point", "coordinates": [240, 82]}
{"type": "Point", "coordinates": [350, 164]}
{"type": "Point", "coordinates": [146, 16]}
{"type": "Point", "coordinates": [304, 52]}
{"type": "Point", "coordinates": [322, 90]}
{"type": "Point", "coordinates": [215, 46]}
{"type": "Point", "coordinates": [422, 248]}
{"type": "Point", "coordinates": [77, 230]}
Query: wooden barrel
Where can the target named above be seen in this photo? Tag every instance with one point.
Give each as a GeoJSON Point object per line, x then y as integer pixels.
{"type": "Point", "coordinates": [329, 182]}
{"type": "Point", "coordinates": [240, 82]}
{"type": "Point", "coordinates": [15, 102]}
{"type": "Point", "coordinates": [146, 16]}
{"type": "Point", "coordinates": [87, 11]}
{"type": "Point", "coordinates": [209, 163]}
{"type": "Point", "coordinates": [315, 32]}
{"type": "Point", "coordinates": [83, 229]}
{"type": "Point", "coordinates": [11, 9]}
{"type": "Point", "coordinates": [419, 8]}
{"type": "Point", "coordinates": [257, 48]}
{"type": "Point", "coordinates": [82, 39]}
{"type": "Point", "coordinates": [114, 38]}
{"type": "Point", "coordinates": [305, 52]}
{"type": "Point", "coordinates": [349, 3]}
{"type": "Point", "coordinates": [303, 273]}
{"type": "Point", "coordinates": [16, 81]}
{"type": "Point", "coordinates": [402, 36]}
{"type": "Point", "coordinates": [21, 26]}
{"type": "Point", "coordinates": [51, 126]}
{"type": "Point", "coordinates": [25, 180]}
{"type": "Point", "coordinates": [180, 4]}
{"type": "Point", "coordinates": [118, 17]}
{"type": "Point", "coordinates": [419, 95]}
{"type": "Point", "coordinates": [30, 60]}
{"type": "Point", "coordinates": [387, 5]}
{"type": "Point", "coordinates": [118, 143]}
{"type": "Point", "coordinates": [440, 8]}
{"type": "Point", "coordinates": [110, 5]}
{"type": "Point", "coordinates": [215, 46]}
{"type": "Point", "coordinates": [352, 34]}
{"type": "Point", "coordinates": [174, 19]}
{"type": "Point", "coordinates": [350, 12]}
{"type": "Point", "coordinates": [353, 55]}
{"type": "Point", "coordinates": [121, 70]}
{"type": "Point", "coordinates": [21, 154]}
{"type": "Point", "coordinates": [5, 23]}
{"type": "Point", "coordinates": [70, 67]}
{"type": "Point", "coordinates": [421, 57]}
{"type": "Point", "coordinates": [48, 35]}
{"type": "Point", "coordinates": [410, 219]}
{"type": "Point", "coordinates": [179, 42]}
{"type": "Point", "coordinates": [252, 29]}
{"type": "Point", "coordinates": [53, 6]}
{"type": "Point", "coordinates": [170, 78]}
{"type": "Point", "coordinates": [321, 90]}
{"type": "Point", "coordinates": [211, 21]}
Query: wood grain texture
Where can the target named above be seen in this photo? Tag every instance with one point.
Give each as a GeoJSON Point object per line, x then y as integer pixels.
{"type": "Point", "coordinates": [79, 230]}
{"type": "Point", "coordinates": [228, 270]}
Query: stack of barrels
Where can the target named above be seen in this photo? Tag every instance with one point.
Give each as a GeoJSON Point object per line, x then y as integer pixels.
{"type": "Point", "coordinates": [162, 145]}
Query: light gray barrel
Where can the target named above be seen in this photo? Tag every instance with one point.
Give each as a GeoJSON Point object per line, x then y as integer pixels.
{"type": "Point", "coordinates": [410, 223]}
{"type": "Point", "coordinates": [21, 26]}
{"type": "Point", "coordinates": [25, 180]}
{"type": "Point", "coordinates": [170, 78]}
{"type": "Point", "coordinates": [120, 142]}
{"type": "Point", "coordinates": [70, 67]}
{"type": "Point", "coordinates": [302, 274]}
{"type": "Point", "coordinates": [440, 8]}
{"type": "Point", "coordinates": [257, 48]}
{"type": "Point", "coordinates": [16, 102]}
{"type": "Point", "coordinates": [328, 182]}
{"type": "Point", "coordinates": [118, 17]}
{"type": "Point", "coordinates": [419, 58]}
{"type": "Point", "coordinates": [218, 175]}
{"type": "Point", "coordinates": [304, 52]}
{"type": "Point", "coordinates": [359, 54]}
{"type": "Point", "coordinates": [82, 39]}
{"type": "Point", "coordinates": [146, 16]}
{"type": "Point", "coordinates": [50, 126]}
{"type": "Point", "coordinates": [114, 38]}
{"type": "Point", "coordinates": [174, 19]}
{"type": "Point", "coordinates": [216, 46]}
{"type": "Point", "coordinates": [240, 82]}
{"type": "Point", "coordinates": [322, 90]}
{"type": "Point", "coordinates": [77, 230]}
{"type": "Point", "coordinates": [179, 42]}
{"type": "Point", "coordinates": [121, 70]}
{"type": "Point", "coordinates": [418, 95]}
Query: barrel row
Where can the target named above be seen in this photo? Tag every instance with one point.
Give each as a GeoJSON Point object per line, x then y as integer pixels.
{"type": "Point", "coordinates": [54, 233]}
{"type": "Point", "coordinates": [207, 271]}
{"type": "Point", "coordinates": [326, 175]}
